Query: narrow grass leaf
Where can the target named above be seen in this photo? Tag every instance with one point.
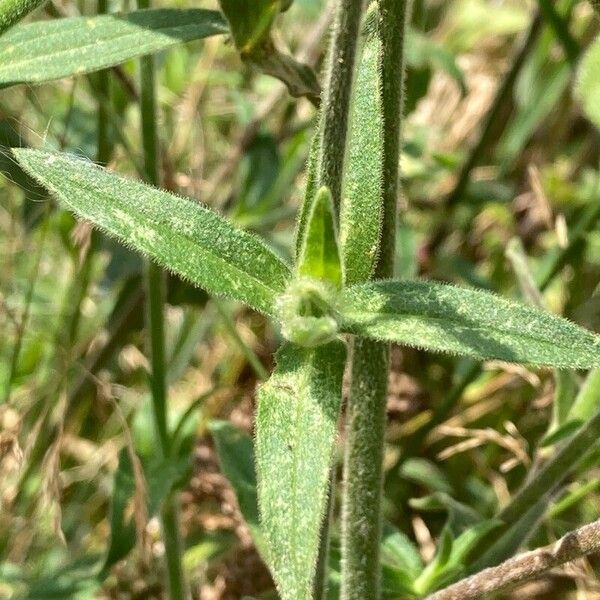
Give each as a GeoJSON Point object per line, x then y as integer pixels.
{"type": "Point", "coordinates": [46, 50]}
{"type": "Point", "coordinates": [587, 401]}
{"type": "Point", "coordinates": [319, 257]}
{"type": "Point", "coordinates": [361, 209]}
{"type": "Point", "coordinates": [296, 426]}
{"type": "Point", "coordinates": [466, 322]}
{"type": "Point", "coordinates": [588, 87]}
{"type": "Point", "coordinates": [179, 234]}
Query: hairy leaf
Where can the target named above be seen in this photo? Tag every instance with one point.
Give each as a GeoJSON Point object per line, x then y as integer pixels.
{"type": "Point", "coordinates": [361, 209]}
{"type": "Point", "coordinates": [47, 50]}
{"type": "Point", "coordinates": [319, 256]}
{"type": "Point", "coordinates": [12, 11]}
{"type": "Point", "coordinates": [296, 425]}
{"type": "Point", "coordinates": [466, 322]}
{"type": "Point", "coordinates": [179, 234]}
{"type": "Point", "coordinates": [588, 87]}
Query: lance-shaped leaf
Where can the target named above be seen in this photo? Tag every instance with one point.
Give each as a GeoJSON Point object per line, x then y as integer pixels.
{"type": "Point", "coordinates": [588, 88]}
{"type": "Point", "coordinates": [466, 322]}
{"type": "Point", "coordinates": [296, 426]}
{"type": "Point", "coordinates": [319, 255]}
{"type": "Point", "coordinates": [179, 234]}
{"type": "Point", "coordinates": [12, 11]}
{"type": "Point", "coordinates": [47, 50]}
{"type": "Point", "coordinates": [361, 210]}
{"type": "Point", "coordinates": [310, 190]}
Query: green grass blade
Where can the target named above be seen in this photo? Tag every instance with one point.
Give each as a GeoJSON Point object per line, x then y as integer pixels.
{"type": "Point", "coordinates": [42, 51]}
{"type": "Point", "coordinates": [319, 256]}
{"type": "Point", "coordinates": [361, 208]}
{"type": "Point", "coordinates": [588, 87]}
{"type": "Point", "coordinates": [466, 322]}
{"type": "Point", "coordinates": [296, 423]}
{"type": "Point", "coordinates": [310, 189]}
{"type": "Point", "coordinates": [179, 234]}
{"type": "Point", "coordinates": [236, 459]}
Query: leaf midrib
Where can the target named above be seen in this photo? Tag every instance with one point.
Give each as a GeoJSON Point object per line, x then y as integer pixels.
{"type": "Point", "coordinates": [478, 328]}
{"type": "Point", "coordinates": [206, 252]}
{"type": "Point", "coordinates": [171, 40]}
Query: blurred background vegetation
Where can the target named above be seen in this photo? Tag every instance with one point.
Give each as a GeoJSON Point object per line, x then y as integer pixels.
{"type": "Point", "coordinates": [494, 147]}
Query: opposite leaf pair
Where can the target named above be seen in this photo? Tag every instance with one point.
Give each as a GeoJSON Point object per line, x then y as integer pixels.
{"type": "Point", "coordinates": [299, 406]}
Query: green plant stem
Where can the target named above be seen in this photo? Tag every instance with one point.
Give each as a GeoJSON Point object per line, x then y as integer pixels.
{"type": "Point", "coordinates": [332, 147]}
{"type": "Point", "coordinates": [560, 26]}
{"type": "Point", "coordinates": [155, 300]}
{"type": "Point", "coordinates": [366, 413]}
{"type": "Point", "coordinates": [321, 581]}
{"type": "Point", "coordinates": [363, 469]}
{"type": "Point", "coordinates": [22, 325]}
{"type": "Point", "coordinates": [336, 100]}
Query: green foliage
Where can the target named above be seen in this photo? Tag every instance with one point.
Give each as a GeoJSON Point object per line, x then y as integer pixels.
{"type": "Point", "coordinates": [449, 561]}
{"type": "Point", "coordinates": [12, 11]}
{"type": "Point", "coordinates": [310, 191]}
{"type": "Point", "coordinates": [250, 22]}
{"type": "Point", "coordinates": [236, 458]}
{"type": "Point", "coordinates": [250, 25]}
{"type": "Point", "coordinates": [466, 322]}
{"type": "Point", "coordinates": [588, 87]}
{"type": "Point", "coordinates": [47, 50]}
{"type": "Point", "coordinates": [306, 313]}
{"type": "Point", "coordinates": [361, 207]}
{"type": "Point", "coordinates": [178, 233]}
{"type": "Point", "coordinates": [319, 255]}
{"type": "Point", "coordinates": [296, 426]}
{"type": "Point", "coordinates": [299, 406]}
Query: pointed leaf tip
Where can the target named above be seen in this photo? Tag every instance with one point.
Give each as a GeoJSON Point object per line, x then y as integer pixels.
{"type": "Point", "coordinates": [466, 322]}
{"type": "Point", "coordinates": [180, 234]}
{"type": "Point", "coordinates": [319, 254]}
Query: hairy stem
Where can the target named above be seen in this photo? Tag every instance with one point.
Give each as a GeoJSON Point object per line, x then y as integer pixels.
{"type": "Point", "coordinates": [525, 567]}
{"type": "Point", "coordinates": [365, 430]}
{"type": "Point", "coordinates": [155, 300]}
{"type": "Point", "coordinates": [333, 133]}
{"type": "Point", "coordinates": [336, 101]}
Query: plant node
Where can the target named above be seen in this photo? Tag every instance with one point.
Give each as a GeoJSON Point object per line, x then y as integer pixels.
{"type": "Point", "coordinates": [306, 312]}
